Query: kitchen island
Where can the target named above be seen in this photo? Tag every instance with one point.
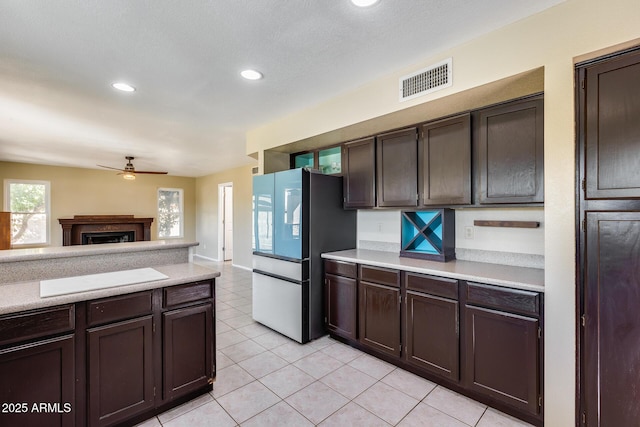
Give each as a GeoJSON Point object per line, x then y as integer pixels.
{"type": "Point", "coordinates": [107, 356]}
{"type": "Point", "coordinates": [475, 328]}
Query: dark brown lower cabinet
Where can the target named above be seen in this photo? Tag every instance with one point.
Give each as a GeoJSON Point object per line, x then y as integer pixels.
{"type": "Point", "coordinates": [42, 372]}
{"type": "Point", "coordinates": [188, 349]}
{"type": "Point", "coordinates": [120, 371]}
{"type": "Point", "coordinates": [431, 330]}
{"type": "Point", "coordinates": [502, 357]}
{"type": "Point", "coordinates": [341, 305]}
{"type": "Point", "coordinates": [380, 317]}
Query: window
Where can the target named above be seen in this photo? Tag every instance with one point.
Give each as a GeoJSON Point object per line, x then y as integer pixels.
{"type": "Point", "coordinates": [170, 213]}
{"type": "Point", "coordinates": [28, 202]}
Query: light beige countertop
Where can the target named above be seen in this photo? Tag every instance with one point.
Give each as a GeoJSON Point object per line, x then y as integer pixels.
{"type": "Point", "coordinates": [14, 255]}
{"type": "Point", "coordinates": [531, 279]}
{"type": "Point", "coordinates": [21, 296]}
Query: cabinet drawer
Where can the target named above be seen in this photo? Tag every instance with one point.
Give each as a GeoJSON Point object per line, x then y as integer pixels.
{"type": "Point", "coordinates": [383, 276]}
{"type": "Point", "coordinates": [37, 323]}
{"type": "Point", "coordinates": [513, 300]}
{"type": "Point", "coordinates": [119, 308]}
{"type": "Point", "coordinates": [439, 286]}
{"type": "Point", "coordinates": [181, 294]}
{"type": "Point", "coordinates": [341, 268]}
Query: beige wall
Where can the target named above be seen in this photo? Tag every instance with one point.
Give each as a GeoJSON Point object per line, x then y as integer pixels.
{"type": "Point", "coordinates": [554, 39]}
{"type": "Point", "coordinates": [77, 191]}
{"type": "Point", "coordinates": [207, 215]}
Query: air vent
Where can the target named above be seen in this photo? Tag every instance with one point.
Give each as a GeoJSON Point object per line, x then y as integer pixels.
{"type": "Point", "coordinates": [427, 80]}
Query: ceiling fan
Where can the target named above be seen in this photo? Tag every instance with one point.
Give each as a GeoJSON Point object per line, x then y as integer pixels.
{"type": "Point", "coordinates": [129, 172]}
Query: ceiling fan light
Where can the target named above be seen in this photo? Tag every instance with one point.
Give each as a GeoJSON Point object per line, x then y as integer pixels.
{"type": "Point", "coordinates": [129, 175]}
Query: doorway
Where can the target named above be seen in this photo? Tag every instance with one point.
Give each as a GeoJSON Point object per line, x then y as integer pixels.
{"type": "Point", "coordinates": [225, 223]}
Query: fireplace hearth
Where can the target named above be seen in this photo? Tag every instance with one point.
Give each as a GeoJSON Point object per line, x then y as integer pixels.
{"type": "Point", "coordinates": [95, 229]}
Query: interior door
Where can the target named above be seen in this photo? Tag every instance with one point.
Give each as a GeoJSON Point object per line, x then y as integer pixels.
{"type": "Point", "coordinates": [228, 223]}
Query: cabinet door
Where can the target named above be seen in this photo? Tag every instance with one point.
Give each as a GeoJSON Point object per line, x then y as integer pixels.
{"type": "Point", "coordinates": [188, 349]}
{"type": "Point", "coordinates": [612, 331]}
{"type": "Point", "coordinates": [379, 314]}
{"type": "Point", "coordinates": [432, 340]}
{"type": "Point", "coordinates": [397, 168]}
{"type": "Point", "coordinates": [120, 371]}
{"type": "Point", "coordinates": [510, 153]}
{"type": "Point", "coordinates": [341, 298]}
{"type": "Point", "coordinates": [612, 128]}
{"type": "Point", "coordinates": [359, 177]}
{"type": "Point", "coordinates": [41, 372]}
{"type": "Point", "coordinates": [444, 152]}
{"type": "Point", "coordinates": [502, 357]}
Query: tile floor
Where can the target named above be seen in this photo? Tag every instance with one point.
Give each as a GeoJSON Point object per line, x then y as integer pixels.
{"type": "Point", "coordinates": [266, 379]}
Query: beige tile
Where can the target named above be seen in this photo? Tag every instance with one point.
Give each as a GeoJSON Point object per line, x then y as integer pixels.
{"type": "Point", "coordinates": [222, 361]}
{"type": "Point", "coordinates": [226, 339]}
{"type": "Point", "coordinates": [425, 416]}
{"type": "Point", "coordinates": [460, 407]}
{"type": "Point", "coordinates": [151, 422]}
{"type": "Point", "coordinates": [271, 340]}
{"type": "Point", "coordinates": [222, 327]}
{"type": "Point", "coordinates": [342, 352]}
{"type": "Point", "coordinates": [263, 364]}
{"type": "Point", "coordinates": [348, 381]}
{"type": "Point", "coordinates": [229, 379]}
{"type": "Point", "coordinates": [183, 409]}
{"type": "Point", "coordinates": [316, 402]}
{"type": "Point", "coordinates": [372, 366]}
{"type": "Point", "coordinates": [209, 414]}
{"type": "Point", "coordinates": [493, 418]}
{"type": "Point", "coordinates": [253, 330]}
{"type": "Point", "coordinates": [242, 351]}
{"type": "Point", "coordinates": [318, 364]}
{"type": "Point", "coordinates": [292, 351]}
{"type": "Point", "coordinates": [240, 321]}
{"type": "Point", "coordinates": [228, 314]}
{"type": "Point", "coordinates": [279, 415]}
{"type": "Point", "coordinates": [386, 402]}
{"type": "Point", "coordinates": [238, 302]}
{"type": "Point", "coordinates": [409, 383]}
{"type": "Point", "coordinates": [221, 306]}
{"type": "Point", "coordinates": [353, 415]}
{"type": "Point", "coordinates": [287, 381]}
{"type": "Point", "coordinates": [322, 342]}
{"type": "Point", "coordinates": [248, 401]}
{"type": "Point", "coordinates": [246, 309]}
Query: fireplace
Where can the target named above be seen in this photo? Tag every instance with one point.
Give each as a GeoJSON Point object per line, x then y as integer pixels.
{"type": "Point", "coordinates": [96, 229]}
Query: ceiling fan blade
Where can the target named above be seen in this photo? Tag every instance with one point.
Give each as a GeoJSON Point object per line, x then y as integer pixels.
{"type": "Point", "coordinates": [109, 167]}
{"type": "Point", "coordinates": [151, 172]}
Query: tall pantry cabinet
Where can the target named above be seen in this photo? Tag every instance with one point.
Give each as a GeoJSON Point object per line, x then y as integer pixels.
{"type": "Point", "coordinates": [608, 194]}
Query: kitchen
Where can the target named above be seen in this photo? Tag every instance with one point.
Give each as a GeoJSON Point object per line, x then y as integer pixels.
{"type": "Point", "coordinates": [589, 30]}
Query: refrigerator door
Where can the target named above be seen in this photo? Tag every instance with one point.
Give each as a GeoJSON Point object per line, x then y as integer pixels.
{"type": "Point", "coordinates": [288, 214]}
{"type": "Point", "coordinates": [277, 303]}
{"type": "Point", "coordinates": [263, 205]}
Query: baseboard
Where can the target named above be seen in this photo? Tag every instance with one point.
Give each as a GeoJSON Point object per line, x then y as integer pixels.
{"type": "Point", "coordinates": [206, 258]}
{"type": "Point", "coordinates": [242, 267]}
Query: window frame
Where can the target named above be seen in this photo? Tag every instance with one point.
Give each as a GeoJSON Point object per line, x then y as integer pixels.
{"type": "Point", "coordinates": [181, 192]}
{"type": "Point", "coordinates": [47, 195]}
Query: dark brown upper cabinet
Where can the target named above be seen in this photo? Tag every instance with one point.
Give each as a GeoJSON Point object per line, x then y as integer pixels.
{"type": "Point", "coordinates": [612, 131]}
{"type": "Point", "coordinates": [397, 168]}
{"type": "Point", "coordinates": [359, 180]}
{"type": "Point", "coordinates": [510, 144]}
{"type": "Point", "coordinates": [444, 162]}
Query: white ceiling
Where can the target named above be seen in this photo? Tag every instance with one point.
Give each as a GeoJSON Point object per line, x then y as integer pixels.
{"type": "Point", "coordinates": [191, 109]}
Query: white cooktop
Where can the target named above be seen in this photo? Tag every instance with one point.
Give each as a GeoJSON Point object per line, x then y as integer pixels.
{"type": "Point", "coordinates": [91, 282]}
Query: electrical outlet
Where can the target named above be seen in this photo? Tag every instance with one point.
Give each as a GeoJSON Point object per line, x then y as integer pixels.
{"type": "Point", "coordinates": [380, 227]}
{"type": "Point", "coordinates": [468, 233]}
{"type": "Point", "coordinates": [204, 246]}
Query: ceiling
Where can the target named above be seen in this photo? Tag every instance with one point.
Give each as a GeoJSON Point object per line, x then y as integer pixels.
{"type": "Point", "coordinates": [191, 109]}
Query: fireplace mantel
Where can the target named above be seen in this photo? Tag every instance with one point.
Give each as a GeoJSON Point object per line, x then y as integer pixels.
{"type": "Point", "coordinates": [73, 228]}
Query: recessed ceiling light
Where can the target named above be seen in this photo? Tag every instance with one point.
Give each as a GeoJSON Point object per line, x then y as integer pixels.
{"type": "Point", "coordinates": [251, 74]}
{"type": "Point", "coordinates": [124, 87]}
{"type": "Point", "coordinates": [364, 3]}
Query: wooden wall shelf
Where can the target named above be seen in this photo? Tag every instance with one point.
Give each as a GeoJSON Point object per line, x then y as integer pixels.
{"type": "Point", "coordinates": [512, 224]}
